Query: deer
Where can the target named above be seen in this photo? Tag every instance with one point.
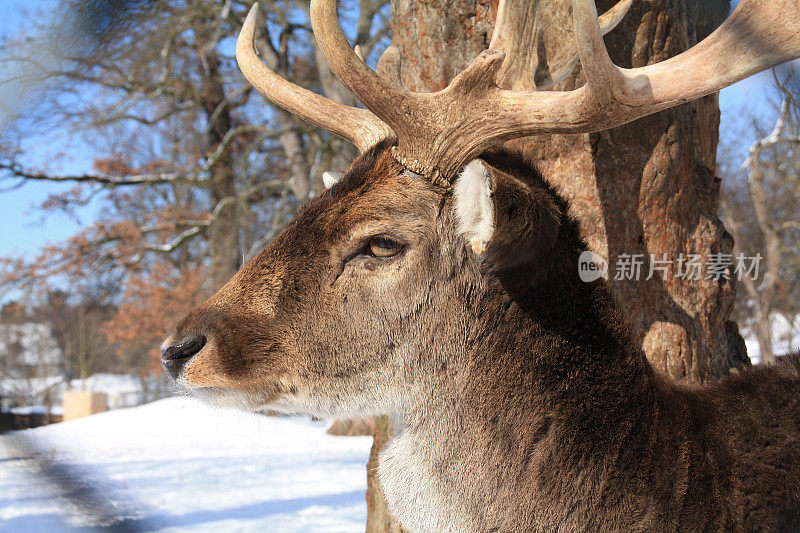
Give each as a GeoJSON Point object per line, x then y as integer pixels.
{"type": "Point", "coordinates": [436, 282]}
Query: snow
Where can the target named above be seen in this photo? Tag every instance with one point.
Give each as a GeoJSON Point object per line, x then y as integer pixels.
{"type": "Point", "coordinates": [30, 410]}
{"type": "Point", "coordinates": [178, 465]}
{"type": "Point", "coordinates": [785, 337]}
{"type": "Point", "coordinates": [109, 383]}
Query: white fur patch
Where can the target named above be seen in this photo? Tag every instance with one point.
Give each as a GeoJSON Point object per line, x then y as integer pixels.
{"type": "Point", "coordinates": [330, 178]}
{"type": "Point", "coordinates": [474, 206]}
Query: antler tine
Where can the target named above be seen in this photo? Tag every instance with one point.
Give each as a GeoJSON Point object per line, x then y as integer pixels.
{"type": "Point", "coordinates": [481, 73]}
{"type": "Point", "coordinates": [602, 76]}
{"type": "Point", "coordinates": [611, 18]}
{"type": "Point", "coordinates": [507, 37]}
{"type": "Point", "coordinates": [389, 65]}
{"type": "Point", "coordinates": [377, 94]}
{"type": "Point", "coordinates": [359, 126]}
{"type": "Point", "coordinates": [758, 35]}
{"type": "Point", "coordinates": [755, 37]}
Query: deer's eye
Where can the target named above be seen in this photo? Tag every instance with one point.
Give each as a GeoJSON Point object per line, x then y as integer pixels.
{"type": "Point", "coordinates": [382, 246]}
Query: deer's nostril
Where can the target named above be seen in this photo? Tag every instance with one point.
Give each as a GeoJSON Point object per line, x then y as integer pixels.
{"type": "Point", "coordinates": [187, 348]}
{"type": "Point", "coordinates": [175, 357]}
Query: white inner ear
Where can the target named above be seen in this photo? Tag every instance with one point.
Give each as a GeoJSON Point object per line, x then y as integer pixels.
{"type": "Point", "coordinates": [474, 206]}
{"type": "Point", "coordinates": [330, 178]}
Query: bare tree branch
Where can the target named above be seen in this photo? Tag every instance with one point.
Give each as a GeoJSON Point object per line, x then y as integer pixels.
{"type": "Point", "coordinates": [173, 244]}
{"type": "Point", "coordinates": [137, 179]}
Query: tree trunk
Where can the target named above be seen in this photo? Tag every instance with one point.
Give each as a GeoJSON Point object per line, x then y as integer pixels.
{"type": "Point", "coordinates": [764, 294]}
{"type": "Point", "coordinates": [224, 239]}
{"type": "Point", "coordinates": [645, 188]}
{"type": "Point", "coordinates": [764, 332]}
{"type": "Point", "coordinates": [83, 345]}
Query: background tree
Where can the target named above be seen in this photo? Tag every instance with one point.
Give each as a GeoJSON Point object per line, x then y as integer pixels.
{"type": "Point", "coordinates": [761, 207]}
{"type": "Point", "coordinates": [78, 326]}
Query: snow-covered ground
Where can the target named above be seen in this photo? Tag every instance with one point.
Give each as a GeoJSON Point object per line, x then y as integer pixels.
{"type": "Point", "coordinates": [177, 465]}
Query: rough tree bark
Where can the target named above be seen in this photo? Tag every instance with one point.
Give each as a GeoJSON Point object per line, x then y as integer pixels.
{"type": "Point", "coordinates": [645, 188]}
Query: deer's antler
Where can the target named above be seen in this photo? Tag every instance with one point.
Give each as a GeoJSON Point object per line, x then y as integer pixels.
{"type": "Point", "coordinates": [358, 126]}
{"type": "Point", "coordinates": [758, 35]}
{"type": "Point", "coordinates": [439, 132]}
{"type": "Point", "coordinates": [515, 30]}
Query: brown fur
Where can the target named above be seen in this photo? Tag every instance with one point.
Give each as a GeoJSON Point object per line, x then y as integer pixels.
{"type": "Point", "coordinates": [521, 402]}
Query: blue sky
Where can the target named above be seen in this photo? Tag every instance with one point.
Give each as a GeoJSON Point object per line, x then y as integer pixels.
{"type": "Point", "coordinates": [26, 230]}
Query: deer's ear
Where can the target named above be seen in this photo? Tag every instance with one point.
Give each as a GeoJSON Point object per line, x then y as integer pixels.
{"type": "Point", "coordinates": [505, 220]}
{"type": "Point", "coordinates": [474, 207]}
{"type": "Point", "coordinates": [329, 178]}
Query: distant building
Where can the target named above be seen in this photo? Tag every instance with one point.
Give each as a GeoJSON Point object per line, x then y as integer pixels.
{"type": "Point", "coordinates": [32, 375]}
{"type": "Point", "coordinates": [31, 365]}
{"type": "Point", "coordinates": [121, 390]}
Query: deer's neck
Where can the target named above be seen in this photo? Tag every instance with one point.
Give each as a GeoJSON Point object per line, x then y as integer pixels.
{"type": "Point", "coordinates": [528, 391]}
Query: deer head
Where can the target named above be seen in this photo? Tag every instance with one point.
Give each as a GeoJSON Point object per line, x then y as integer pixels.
{"type": "Point", "coordinates": [429, 244]}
